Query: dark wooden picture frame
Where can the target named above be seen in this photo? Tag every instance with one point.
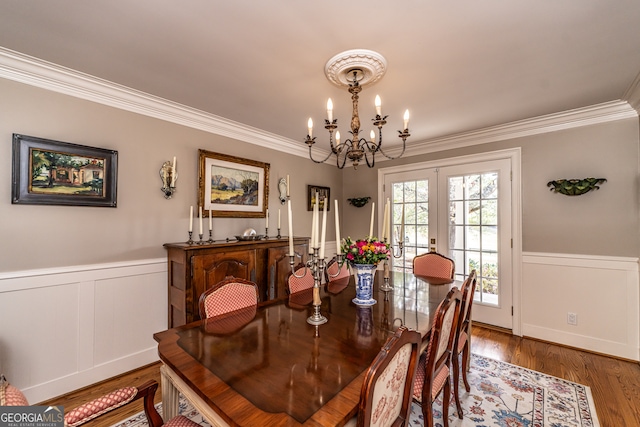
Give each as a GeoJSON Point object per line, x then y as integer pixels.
{"type": "Point", "coordinates": [323, 192]}
{"type": "Point", "coordinates": [231, 186]}
{"type": "Point", "coordinates": [47, 172]}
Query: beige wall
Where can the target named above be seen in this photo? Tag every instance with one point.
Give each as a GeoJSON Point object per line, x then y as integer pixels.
{"type": "Point", "coordinates": [604, 222]}
{"type": "Point", "coordinates": [37, 236]}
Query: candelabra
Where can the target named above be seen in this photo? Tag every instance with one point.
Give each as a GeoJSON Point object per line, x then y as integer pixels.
{"type": "Point", "coordinates": [316, 267]}
{"type": "Point", "coordinates": [386, 286]}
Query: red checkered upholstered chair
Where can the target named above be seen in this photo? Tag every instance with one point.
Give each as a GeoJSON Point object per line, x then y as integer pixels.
{"type": "Point", "coordinates": [297, 284]}
{"type": "Point", "coordinates": [385, 399]}
{"type": "Point", "coordinates": [434, 366]}
{"type": "Point", "coordinates": [433, 264]}
{"type": "Point", "coordinates": [463, 338]}
{"type": "Point", "coordinates": [334, 271]}
{"type": "Point", "coordinates": [11, 396]}
{"type": "Point", "coordinates": [228, 295]}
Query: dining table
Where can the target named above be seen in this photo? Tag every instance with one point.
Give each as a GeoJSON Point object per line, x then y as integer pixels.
{"type": "Point", "coordinates": [268, 366]}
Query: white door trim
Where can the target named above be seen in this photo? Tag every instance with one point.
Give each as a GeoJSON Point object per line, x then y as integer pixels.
{"type": "Point", "coordinates": [514, 155]}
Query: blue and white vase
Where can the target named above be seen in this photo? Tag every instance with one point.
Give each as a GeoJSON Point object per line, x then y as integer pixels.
{"type": "Point", "coordinates": [365, 273]}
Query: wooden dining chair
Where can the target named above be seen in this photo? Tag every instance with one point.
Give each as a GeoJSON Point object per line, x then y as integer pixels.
{"type": "Point", "coordinates": [230, 294]}
{"type": "Point", "coordinates": [462, 343]}
{"type": "Point", "coordinates": [386, 396]}
{"type": "Point", "coordinates": [433, 264]}
{"type": "Point", "coordinates": [434, 366]}
{"type": "Point", "coordinates": [334, 271]}
{"type": "Point", "coordinates": [301, 280]}
{"type": "Point", "coordinates": [12, 396]}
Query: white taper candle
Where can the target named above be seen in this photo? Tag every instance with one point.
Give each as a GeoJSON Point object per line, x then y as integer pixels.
{"type": "Point", "coordinates": [290, 219]}
{"type": "Point", "coordinates": [338, 248]}
{"type": "Point", "coordinates": [324, 227]}
{"type": "Point", "coordinates": [373, 211]}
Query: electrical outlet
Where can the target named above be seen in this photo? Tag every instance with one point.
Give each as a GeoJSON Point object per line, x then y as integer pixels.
{"type": "Point", "coordinates": [572, 318]}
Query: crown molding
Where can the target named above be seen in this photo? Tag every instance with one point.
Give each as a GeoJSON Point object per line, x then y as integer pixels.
{"type": "Point", "coordinates": [33, 71]}
{"type": "Point", "coordinates": [594, 114]}
{"type": "Point", "coordinates": [632, 94]}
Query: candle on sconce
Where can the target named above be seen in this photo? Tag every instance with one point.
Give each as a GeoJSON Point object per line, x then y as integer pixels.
{"type": "Point", "coordinates": [330, 110]}
{"type": "Point", "coordinates": [338, 249]}
{"type": "Point", "coordinates": [406, 119]}
{"type": "Point", "coordinates": [324, 227]}
{"type": "Point", "coordinates": [378, 103]}
{"type": "Point", "coordinates": [373, 211]}
{"type": "Point", "coordinates": [310, 127]}
{"type": "Point", "coordinates": [372, 135]}
{"type": "Point", "coordinates": [200, 216]}
{"type": "Point", "coordinates": [266, 219]}
{"type": "Point", "coordinates": [287, 185]}
{"type": "Point", "coordinates": [191, 219]}
{"type": "Point", "coordinates": [210, 221]}
{"type": "Point", "coordinates": [173, 172]}
{"type": "Point", "coordinates": [290, 219]}
{"type": "Point", "coordinates": [337, 137]}
{"type": "Point", "coordinates": [278, 219]}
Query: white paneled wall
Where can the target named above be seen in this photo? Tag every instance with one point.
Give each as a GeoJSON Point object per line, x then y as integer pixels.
{"type": "Point", "coordinates": [62, 329]}
{"type": "Point", "coordinates": [601, 291]}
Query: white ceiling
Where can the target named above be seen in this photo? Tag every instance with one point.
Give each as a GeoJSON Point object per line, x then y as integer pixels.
{"type": "Point", "coordinates": [458, 66]}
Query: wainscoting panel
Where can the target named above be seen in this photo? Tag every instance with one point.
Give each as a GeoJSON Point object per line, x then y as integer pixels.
{"type": "Point", "coordinates": [62, 329]}
{"type": "Point", "coordinates": [602, 293]}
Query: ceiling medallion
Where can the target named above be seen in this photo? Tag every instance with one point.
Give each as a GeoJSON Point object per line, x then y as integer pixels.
{"type": "Point", "coordinates": [355, 69]}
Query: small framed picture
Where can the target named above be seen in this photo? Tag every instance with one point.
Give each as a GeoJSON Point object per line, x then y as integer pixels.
{"type": "Point", "coordinates": [232, 186]}
{"type": "Point", "coordinates": [324, 194]}
{"type": "Point", "coordinates": [47, 172]}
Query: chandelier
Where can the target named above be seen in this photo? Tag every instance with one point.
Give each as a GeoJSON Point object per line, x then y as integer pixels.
{"type": "Point", "coordinates": [354, 69]}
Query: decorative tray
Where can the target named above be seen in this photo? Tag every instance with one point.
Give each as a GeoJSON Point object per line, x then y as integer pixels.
{"type": "Point", "coordinates": [254, 237]}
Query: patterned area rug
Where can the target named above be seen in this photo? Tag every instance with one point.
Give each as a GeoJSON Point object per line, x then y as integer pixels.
{"type": "Point", "coordinates": [502, 395]}
{"type": "Point", "coordinates": [505, 395]}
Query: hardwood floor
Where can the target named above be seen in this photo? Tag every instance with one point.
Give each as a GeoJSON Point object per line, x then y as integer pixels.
{"type": "Point", "coordinates": [615, 384]}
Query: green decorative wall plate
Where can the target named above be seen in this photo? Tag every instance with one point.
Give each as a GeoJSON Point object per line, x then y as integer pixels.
{"type": "Point", "coordinates": [575, 187]}
{"type": "Point", "coordinates": [359, 202]}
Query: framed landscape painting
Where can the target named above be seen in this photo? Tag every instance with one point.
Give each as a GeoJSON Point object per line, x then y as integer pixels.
{"type": "Point", "coordinates": [47, 172]}
{"type": "Point", "coordinates": [232, 186]}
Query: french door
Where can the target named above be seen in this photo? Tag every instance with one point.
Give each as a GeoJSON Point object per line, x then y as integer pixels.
{"type": "Point", "coordinates": [464, 212]}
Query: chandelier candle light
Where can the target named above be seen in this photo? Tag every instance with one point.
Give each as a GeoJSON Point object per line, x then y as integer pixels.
{"type": "Point", "coordinates": [356, 68]}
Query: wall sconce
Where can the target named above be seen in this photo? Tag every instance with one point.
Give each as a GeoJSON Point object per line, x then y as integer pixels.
{"type": "Point", "coordinates": [283, 189]}
{"type": "Point", "coordinates": [169, 176]}
{"type": "Point", "coordinates": [359, 202]}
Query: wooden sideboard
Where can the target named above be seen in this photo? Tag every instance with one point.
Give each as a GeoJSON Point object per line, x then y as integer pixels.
{"type": "Point", "coordinates": [195, 268]}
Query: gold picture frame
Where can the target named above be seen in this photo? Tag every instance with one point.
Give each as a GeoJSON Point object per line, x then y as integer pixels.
{"type": "Point", "coordinates": [231, 186]}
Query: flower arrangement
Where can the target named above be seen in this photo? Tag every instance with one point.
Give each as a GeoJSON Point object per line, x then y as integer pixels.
{"type": "Point", "coordinates": [366, 251]}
